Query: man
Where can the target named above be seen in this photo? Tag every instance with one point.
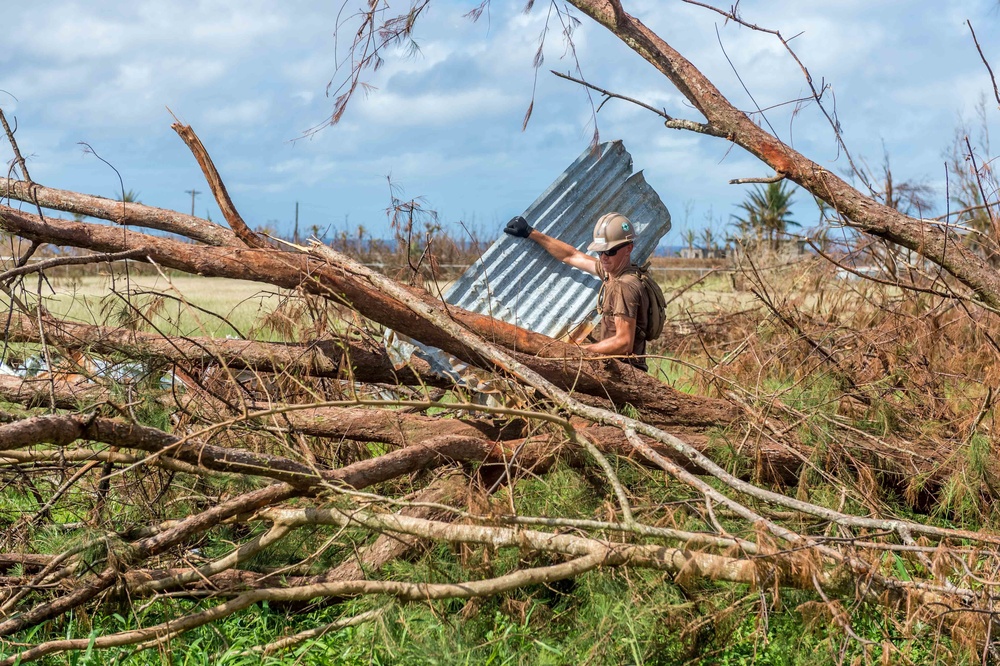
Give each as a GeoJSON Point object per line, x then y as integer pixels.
{"type": "Point", "coordinates": [622, 303]}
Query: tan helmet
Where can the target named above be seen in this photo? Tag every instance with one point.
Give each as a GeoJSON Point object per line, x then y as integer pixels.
{"type": "Point", "coordinates": [612, 230]}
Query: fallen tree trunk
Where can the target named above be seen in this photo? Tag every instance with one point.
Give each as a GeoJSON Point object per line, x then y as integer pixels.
{"type": "Point", "coordinates": [428, 441]}
{"type": "Point", "coordinates": [416, 455]}
{"type": "Point", "coordinates": [349, 283]}
{"type": "Point", "coordinates": [34, 392]}
{"type": "Point", "coordinates": [334, 358]}
{"type": "Point", "coordinates": [125, 213]}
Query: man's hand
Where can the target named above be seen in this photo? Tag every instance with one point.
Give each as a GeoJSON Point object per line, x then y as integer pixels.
{"type": "Point", "coordinates": [519, 227]}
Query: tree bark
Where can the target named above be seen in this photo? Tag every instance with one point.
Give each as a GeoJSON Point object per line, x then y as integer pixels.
{"type": "Point", "coordinates": [123, 213]}
{"type": "Point", "coordinates": [350, 283]}
{"type": "Point", "coordinates": [862, 212]}
{"type": "Point", "coordinates": [339, 358]}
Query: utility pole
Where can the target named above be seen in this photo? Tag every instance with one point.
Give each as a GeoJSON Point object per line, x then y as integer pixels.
{"type": "Point", "coordinates": [193, 193]}
{"type": "Point", "coordinates": [295, 236]}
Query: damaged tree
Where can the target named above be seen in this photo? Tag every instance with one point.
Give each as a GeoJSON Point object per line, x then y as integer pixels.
{"type": "Point", "coordinates": [326, 450]}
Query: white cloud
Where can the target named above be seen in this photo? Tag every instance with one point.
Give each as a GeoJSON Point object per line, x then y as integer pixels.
{"type": "Point", "coordinates": [246, 113]}
{"type": "Point", "coordinates": [390, 109]}
{"type": "Point", "coordinates": [250, 77]}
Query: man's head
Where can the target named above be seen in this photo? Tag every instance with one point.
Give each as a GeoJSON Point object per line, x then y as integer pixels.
{"type": "Point", "coordinates": [613, 238]}
{"type": "Point", "coordinates": [612, 230]}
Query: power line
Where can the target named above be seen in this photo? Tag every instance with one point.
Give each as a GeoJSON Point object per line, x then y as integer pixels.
{"type": "Point", "coordinates": [193, 193]}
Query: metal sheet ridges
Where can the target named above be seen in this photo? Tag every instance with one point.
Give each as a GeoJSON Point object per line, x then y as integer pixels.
{"type": "Point", "coordinates": [518, 282]}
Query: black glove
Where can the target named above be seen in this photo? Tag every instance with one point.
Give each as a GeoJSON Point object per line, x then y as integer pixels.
{"type": "Point", "coordinates": [519, 227]}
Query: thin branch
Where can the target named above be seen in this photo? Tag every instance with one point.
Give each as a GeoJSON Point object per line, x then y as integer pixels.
{"type": "Point", "coordinates": [671, 122]}
{"type": "Point", "coordinates": [817, 95]}
{"type": "Point", "coordinates": [70, 261]}
{"type": "Point", "coordinates": [24, 169]}
{"type": "Point", "coordinates": [770, 179]}
{"type": "Point", "coordinates": [996, 91]}
{"type": "Point", "coordinates": [290, 641]}
{"type": "Point", "coordinates": [13, 145]}
{"type": "Point", "coordinates": [218, 188]}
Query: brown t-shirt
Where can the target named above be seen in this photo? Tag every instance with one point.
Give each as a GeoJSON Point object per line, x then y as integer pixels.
{"type": "Point", "coordinates": [623, 295]}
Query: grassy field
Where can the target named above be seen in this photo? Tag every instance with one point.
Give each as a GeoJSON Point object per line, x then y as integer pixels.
{"type": "Point", "coordinates": [192, 305]}
{"type": "Point", "coordinates": [184, 305]}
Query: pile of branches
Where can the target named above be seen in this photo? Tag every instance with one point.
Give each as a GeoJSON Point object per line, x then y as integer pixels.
{"type": "Point", "coordinates": [288, 446]}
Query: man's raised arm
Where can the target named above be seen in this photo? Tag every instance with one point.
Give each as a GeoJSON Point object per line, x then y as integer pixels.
{"type": "Point", "coordinates": [562, 251]}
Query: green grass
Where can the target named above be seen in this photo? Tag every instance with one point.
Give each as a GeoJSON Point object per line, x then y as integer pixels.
{"type": "Point", "coordinates": [681, 376]}
{"type": "Point", "coordinates": [619, 616]}
{"type": "Point", "coordinates": [607, 618]}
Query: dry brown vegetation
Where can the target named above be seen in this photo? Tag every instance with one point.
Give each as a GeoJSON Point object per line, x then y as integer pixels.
{"type": "Point", "coordinates": [834, 435]}
{"type": "Point", "coordinates": [829, 403]}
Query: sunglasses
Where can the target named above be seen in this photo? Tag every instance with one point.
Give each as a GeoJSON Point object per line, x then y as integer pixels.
{"type": "Point", "coordinates": [611, 253]}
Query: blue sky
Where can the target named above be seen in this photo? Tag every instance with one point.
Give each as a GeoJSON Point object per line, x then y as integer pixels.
{"type": "Point", "coordinates": [251, 77]}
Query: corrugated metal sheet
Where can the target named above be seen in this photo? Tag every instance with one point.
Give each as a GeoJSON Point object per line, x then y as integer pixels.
{"type": "Point", "coordinates": [518, 282]}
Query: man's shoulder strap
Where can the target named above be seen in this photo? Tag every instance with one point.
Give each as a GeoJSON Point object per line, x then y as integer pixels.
{"type": "Point", "coordinates": [634, 270]}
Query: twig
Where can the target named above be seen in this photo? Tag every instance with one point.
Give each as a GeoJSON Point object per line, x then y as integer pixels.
{"type": "Point", "coordinates": [764, 180]}
{"type": "Point", "coordinates": [288, 641]}
{"type": "Point", "coordinates": [70, 261]}
{"type": "Point", "coordinates": [996, 91]}
{"type": "Point", "coordinates": [671, 122]}
{"type": "Point", "coordinates": [817, 95]}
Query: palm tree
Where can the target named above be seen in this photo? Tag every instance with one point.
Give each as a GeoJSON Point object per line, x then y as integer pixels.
{"type": "Point", "coordinates": [361, 239]}
{"type": "Point", "coordinates": [767, 213]}
{"type": "Point", "coordinates": [688, 236]}
{"type": "Point", "coordinates": [708, 240]}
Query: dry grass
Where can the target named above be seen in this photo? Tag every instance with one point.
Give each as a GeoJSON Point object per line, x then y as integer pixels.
{"type": "Point", "coordinates": [175, 305]}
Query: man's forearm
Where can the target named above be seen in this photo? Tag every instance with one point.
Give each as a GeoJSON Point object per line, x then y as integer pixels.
{"type": "Point", "coordinates": [620, 344]}
{"type": "Point", "coordinates": [564, 252]}
{"type": "Point", "coordinates": [616, 346]}
{"type": "Point", "coordinates": [557, 248]}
